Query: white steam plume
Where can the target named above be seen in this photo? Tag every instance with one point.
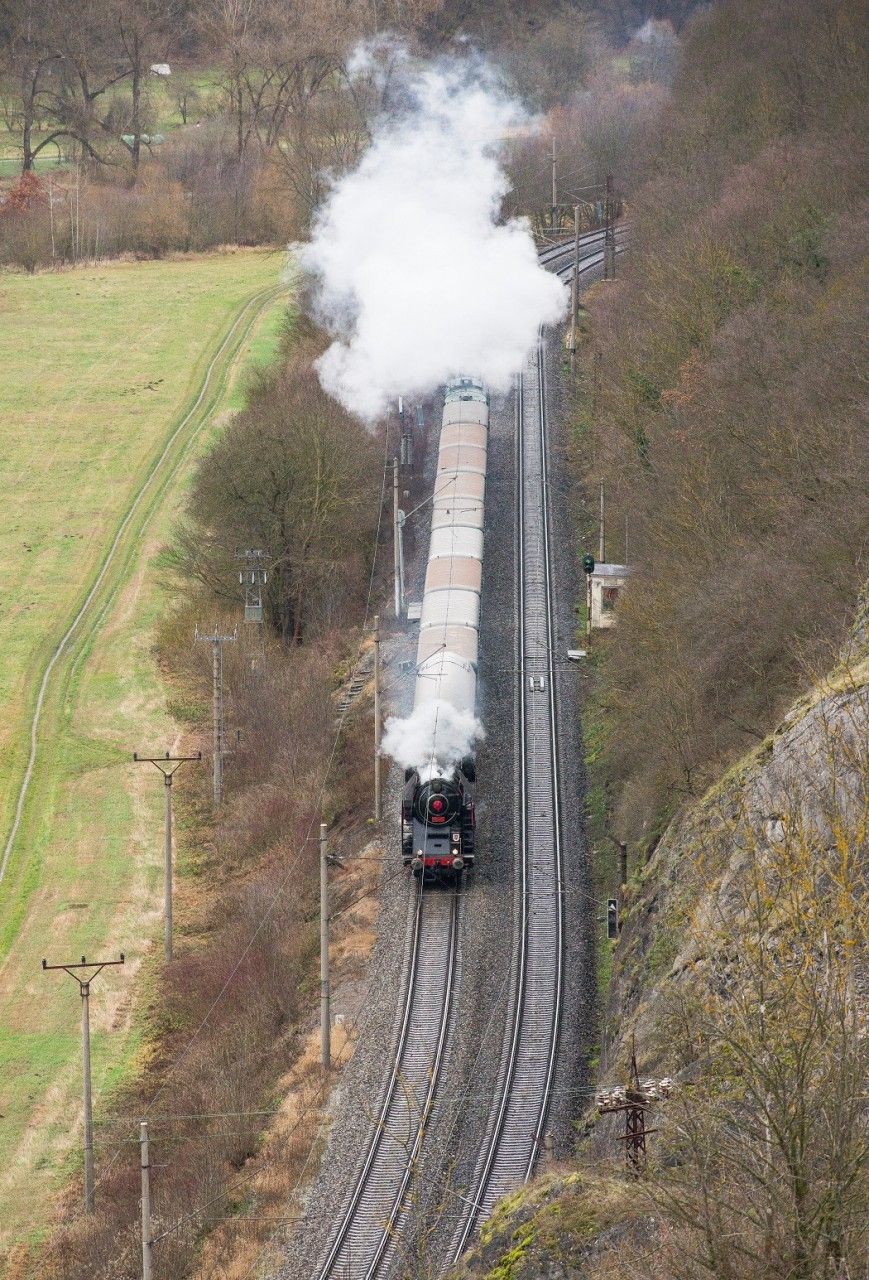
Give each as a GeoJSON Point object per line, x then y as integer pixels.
{"type": "Point", "coordinates": [415, 278]}
{"type": "Point", "coordinates": [433, 738]}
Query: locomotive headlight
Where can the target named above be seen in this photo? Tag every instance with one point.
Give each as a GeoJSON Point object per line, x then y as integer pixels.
{"type": "Point", "coordinates": [458, 863]}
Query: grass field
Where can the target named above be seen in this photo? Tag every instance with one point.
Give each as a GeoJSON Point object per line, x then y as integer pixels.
{"type": "Point", "coordinates": [100, 367]}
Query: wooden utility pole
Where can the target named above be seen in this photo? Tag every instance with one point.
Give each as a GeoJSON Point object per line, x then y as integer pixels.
{"type": "Point", "coordinates": [623, 863]}
{"type": "Point", "coordinates": [609, 234]}
{"type": "Point", "coordinates": [378, 805]}
{"type": "Point", "coordinates": [554, 192]}
{"type": "Point", "coordinates": [217, 641]}
{"type": "Point", "coordinates": [84, 985]}
{"type": "Point", "coordinates": [574, 284]}
{"type": "Point", "coordinates": [397, 544]}
{"type": "Point", "coordinates": [147, 1241]}
{"type": "Point", "coordinates": [325, 1011]}
{"type": "Point", "coordinates": [168, 766]}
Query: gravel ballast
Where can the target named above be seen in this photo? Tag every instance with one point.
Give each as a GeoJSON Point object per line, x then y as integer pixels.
{"type": "Point", "coordinates": [486, 948]}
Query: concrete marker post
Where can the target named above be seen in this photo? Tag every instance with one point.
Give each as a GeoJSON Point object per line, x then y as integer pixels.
{"type": "Point", "coordinates": [145, 1166]}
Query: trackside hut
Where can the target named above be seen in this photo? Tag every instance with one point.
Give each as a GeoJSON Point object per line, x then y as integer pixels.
{"type": "Point", "coordinates": [607, 582]}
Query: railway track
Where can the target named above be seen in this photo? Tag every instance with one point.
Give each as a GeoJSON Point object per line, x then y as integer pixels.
{"type": "Point", "coordinates": [369, 1238]}
{"type": "Point", "coordinates": [553, 253]}
{"type": "Point", "coordinates": [518, 1121]}
{"type": "Point", "coordinates": [370, 1234]}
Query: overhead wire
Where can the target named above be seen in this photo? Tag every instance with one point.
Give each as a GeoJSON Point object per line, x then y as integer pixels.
{"type": "Point", "coordinates": [181, 1057]}
{"type": "Point", "coordinates": [295, 861]}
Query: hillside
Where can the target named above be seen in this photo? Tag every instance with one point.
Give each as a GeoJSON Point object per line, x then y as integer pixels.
{"type": "Point", "coordinates": [722, 404]}
{"type": "Point", "coordinates": [740, 973]}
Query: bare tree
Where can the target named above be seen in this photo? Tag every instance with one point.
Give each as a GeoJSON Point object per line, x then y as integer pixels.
{"type": "Point", "coordinates": [295, 475]}
{"type": "Point", "coordinates": [29, 65]}
{"type": "Point", "coordinates": [144, 29]}
{"type": "Point", "coordinates": [767, 1138]}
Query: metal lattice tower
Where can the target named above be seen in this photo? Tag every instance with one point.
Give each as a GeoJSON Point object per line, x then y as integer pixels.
{"type": "Point", "coordinates": [217, 641]}
{"type": "Point", "coordinates": [253, 576]}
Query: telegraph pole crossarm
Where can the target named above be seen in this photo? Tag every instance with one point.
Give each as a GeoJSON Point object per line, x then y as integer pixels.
{"type": "Point", "coordinates": [72, 969]}
{"type": "Point", "coordinates": [168, 765]}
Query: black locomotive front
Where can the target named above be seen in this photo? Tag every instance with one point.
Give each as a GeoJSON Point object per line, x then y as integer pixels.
{"type": "Point", "coordinates": [437, 824]}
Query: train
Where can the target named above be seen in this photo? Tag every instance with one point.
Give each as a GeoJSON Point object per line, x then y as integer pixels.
{"type": "Point", "coordinates": [438, 823]}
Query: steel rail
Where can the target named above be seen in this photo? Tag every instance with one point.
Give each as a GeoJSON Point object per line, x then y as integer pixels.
{"type": "Point", "coordinates": [553, 738]}
{"type": "Point", "coordinates": [548, 257]}
{"type": "Point", "coordinates": [545, 256]}
{"type": "Point", "coordinates": [594, 260]}
{"type": "Point", "coordinates": [368, 1230]}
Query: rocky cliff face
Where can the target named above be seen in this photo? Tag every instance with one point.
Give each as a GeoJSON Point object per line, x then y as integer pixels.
{"type": "Point", "coordinates": [808, 779]}
{"type": "Point", "coordinates": [739, 973]}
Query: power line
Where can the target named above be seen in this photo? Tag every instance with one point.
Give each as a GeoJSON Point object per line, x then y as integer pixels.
{"type": "Point", "coordinates": [218, 748]}
{"type": "Point", "coordinates": [291, 869]}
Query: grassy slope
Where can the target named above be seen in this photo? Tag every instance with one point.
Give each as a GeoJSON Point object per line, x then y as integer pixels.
{"type": "Point", "coordinates": [85, 876]}
{"type": "Point", "coordinates": [96, 365]}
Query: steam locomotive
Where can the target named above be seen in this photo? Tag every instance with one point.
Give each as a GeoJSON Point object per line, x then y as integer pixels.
{"type": "Point", "coordinates": [437, 813]}
{"type": "Point", "coordinates": [438, 823]}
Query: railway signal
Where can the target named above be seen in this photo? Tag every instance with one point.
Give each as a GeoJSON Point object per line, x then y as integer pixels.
{"type": "Point", "coordinates": [84, 986]}
{"type": "Point", "coordinates": [612, 917]}
{"type": "Point", "coordinates": [588, 566]}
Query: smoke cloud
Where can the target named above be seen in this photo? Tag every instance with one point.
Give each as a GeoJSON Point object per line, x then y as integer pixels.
{"type": "Point", "coordinates": [414, 276]}
{"type": "Point", "coordinates": [432, 739]}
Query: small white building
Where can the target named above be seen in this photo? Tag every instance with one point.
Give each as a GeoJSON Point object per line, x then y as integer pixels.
{"type": "Point", "coordinates": [606, 582]}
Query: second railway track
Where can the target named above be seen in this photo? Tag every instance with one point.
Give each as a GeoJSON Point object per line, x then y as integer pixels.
{"type": "Point", "coordinates": [518, 1120]}
{"type": "Point", "coordinates": [369, 1235]}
